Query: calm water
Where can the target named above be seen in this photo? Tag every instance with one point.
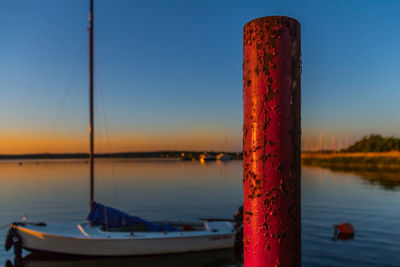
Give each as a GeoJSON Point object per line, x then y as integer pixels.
{"type": "Point", "coordinates": [55, 191]}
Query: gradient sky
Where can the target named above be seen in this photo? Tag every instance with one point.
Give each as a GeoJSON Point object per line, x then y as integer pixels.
{"type": "Point", "coordinates": [169, 73]}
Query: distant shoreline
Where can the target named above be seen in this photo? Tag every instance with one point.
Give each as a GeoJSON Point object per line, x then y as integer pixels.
{"type": "Point", "coordinates": [157, 154]}
{"type": "Point", "coordinates": [320, 159]}
{"type": "Point", "coordinates": [355, 159]}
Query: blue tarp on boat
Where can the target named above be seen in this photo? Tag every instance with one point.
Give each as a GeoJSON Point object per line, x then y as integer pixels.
{"type": "Point", "coordinates": [110, 217]}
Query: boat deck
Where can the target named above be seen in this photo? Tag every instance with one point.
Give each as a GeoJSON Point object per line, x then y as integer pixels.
{"type": "Point", "coordinates": [85, 230]}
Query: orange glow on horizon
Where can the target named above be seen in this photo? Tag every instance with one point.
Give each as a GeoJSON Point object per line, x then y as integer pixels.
{"type": "Point", "coordinates": [199, 141]}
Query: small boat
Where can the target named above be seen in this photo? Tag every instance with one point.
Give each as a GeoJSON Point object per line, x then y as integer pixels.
{"type": "Point", "coordinates": [187, 157]}
{"type": "Point", "coordinates": [208, 156]}
{"type": "Point", "coordinates": [223, 157]}
{"type": "Point", "coordinates": [110, 232]}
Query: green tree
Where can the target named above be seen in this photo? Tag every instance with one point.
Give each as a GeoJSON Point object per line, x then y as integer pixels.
{"type": "Point", "coordinates": [374, 143]}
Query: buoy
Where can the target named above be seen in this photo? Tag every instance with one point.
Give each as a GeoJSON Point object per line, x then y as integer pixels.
{"type": "Point", "coordinates": [343, 231]}
{"type": "Point", "coordinates": [346, 228]}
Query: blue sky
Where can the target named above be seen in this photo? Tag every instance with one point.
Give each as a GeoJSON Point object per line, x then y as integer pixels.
{"type": "Point", "coordinates": [169, 73]}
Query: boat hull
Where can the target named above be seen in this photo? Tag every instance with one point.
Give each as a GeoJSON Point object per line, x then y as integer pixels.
{"type": "Point", "coordinates": [221, 257]}
{"type": "Point", "coordinates": [91, 241]}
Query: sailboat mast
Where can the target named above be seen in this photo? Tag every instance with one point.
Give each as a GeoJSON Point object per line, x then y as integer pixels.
{"type": "Point", "coordinates": [91, 104]}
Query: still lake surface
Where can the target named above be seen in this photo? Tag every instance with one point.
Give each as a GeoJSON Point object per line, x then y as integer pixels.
{"type": "Point", "coordinates": [57, 190]}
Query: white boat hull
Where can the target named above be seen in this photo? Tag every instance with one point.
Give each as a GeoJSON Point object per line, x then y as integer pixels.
{"type": "Point", "coordinates": [86, 240]}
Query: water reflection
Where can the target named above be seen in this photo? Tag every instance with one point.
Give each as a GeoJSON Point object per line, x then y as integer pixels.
{"type": "Point", "coordinates": [57, 191]}
{"type": "Point", "coordinates": [218, 258]}
{"type": "Point", "coordinates": [387, 178]}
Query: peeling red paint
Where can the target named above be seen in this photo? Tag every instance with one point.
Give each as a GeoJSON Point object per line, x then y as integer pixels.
{"type": "Point", "coordinates": [271, 142]}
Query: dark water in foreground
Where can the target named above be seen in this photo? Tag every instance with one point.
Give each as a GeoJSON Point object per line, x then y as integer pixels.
{"type": "Point", "coordinates": [54, 191]}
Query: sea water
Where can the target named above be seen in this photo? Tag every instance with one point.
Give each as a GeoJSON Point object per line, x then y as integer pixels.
{"type": "Point", "coordinates": [158, 189]}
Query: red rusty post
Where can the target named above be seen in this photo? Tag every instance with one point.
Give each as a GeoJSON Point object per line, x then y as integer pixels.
{"type": "Point", "coordinates": [271, 142]}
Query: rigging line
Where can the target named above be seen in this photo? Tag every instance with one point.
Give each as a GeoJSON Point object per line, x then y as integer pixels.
{"type": "Point", "coordinates": [102, 123]}
{"type": "Point", "coordinates": [67, 89]}
{"type": "Point", "coordinates": [104, 113]}
{"type": "Point", "coordinates": [25, 216]}
{"type": "Point", "coordinates": [116, 199]}
{"type": "Point", "coordinates": [101, 96]}
{"type": "Point", "coordinates": [4, 226]}
{"type": "Point", "coordinates": [106, 128]}
{"type": "Point", "coordinates": [105, 119]}
{"type": "Point", "coordinates": [98, 128]}
{"type": "Point", "coordinates": [30, 196]}
{"type": "Point", "coordinates": [108, 143]}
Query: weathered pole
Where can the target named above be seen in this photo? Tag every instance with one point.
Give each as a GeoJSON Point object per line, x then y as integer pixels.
{"type": "Point", "coordinates": [271, 142]}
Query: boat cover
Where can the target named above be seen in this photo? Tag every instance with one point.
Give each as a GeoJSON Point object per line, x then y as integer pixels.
{"type": "Point", "coordinates": [110, 217]}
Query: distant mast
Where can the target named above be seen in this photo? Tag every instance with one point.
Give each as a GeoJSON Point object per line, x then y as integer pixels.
{"type": "Point", "coordinates": [91, 118]}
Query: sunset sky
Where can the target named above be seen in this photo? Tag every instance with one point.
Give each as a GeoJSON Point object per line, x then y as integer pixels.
{"type": "Point", "coordinates": [169, 73]}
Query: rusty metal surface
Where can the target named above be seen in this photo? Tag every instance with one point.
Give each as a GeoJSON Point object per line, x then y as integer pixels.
{"type": "Point", "coordinates": [271, 142]}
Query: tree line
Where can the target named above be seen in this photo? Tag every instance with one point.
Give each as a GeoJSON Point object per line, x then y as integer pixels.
{"type": "Point", "coordinates": [374, 143]}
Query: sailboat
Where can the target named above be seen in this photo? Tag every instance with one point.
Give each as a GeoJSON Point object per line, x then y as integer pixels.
{"type": "Point", "coordinates": [110, 232]}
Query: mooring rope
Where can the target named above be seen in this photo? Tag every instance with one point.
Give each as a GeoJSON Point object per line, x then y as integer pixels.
{"type": "Point", "coordinates": [4, 226]}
